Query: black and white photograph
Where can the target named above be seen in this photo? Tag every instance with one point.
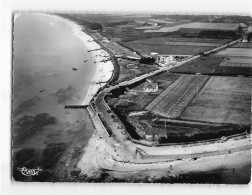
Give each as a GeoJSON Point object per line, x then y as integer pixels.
{"type": "Point", "coordinates": [141, 95]}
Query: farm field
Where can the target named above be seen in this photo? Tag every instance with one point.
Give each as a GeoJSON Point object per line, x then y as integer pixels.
{"type": "Point", "coordinates": [237, 62]}
{"type": "Point", "coordinates": [200, 25]}
{"type": "Point", "coordinates": [124, 34]}
{"type": "Point", "coordinates": [216, 65]}
{"type": "Point", "coordinates": [168, 40]}
{"type": "Point", "coordinates": [172, 101]}
{"type": "Point", "coordinates": [175, 46]}
{"type": "Point", "coordinates": [222, 100]}
{"type": "Point", "coordinates": [243, 45]}
{"type": "Point", "coordinates": [171, 28]}
{"type": "Point", "coordinates": [146, 49]}
{"type": "Point", "coordinates": [235, 52]}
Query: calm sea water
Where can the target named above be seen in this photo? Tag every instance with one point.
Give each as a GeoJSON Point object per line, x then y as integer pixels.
{"type": "Point", "coordinates": [45, 51]}
{"type": "Point", "coordinates": [45, 48]}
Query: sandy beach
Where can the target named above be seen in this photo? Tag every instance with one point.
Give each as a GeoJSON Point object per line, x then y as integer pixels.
{"type": "Point", "coordinates": [103, 63]}
{"type": "Point", "coordinates": [46, 49]}
{"type": "Point", "coordinates": [103, 154]}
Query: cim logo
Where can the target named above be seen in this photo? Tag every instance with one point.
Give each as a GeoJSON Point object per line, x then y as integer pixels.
{"type": "Point", "coordinates": [29, 172]}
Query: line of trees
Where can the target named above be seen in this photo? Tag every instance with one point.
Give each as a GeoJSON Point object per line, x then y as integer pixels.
{"type": "Point", "coordinates": [147, 60]}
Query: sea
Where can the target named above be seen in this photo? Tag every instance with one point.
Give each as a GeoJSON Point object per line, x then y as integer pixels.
{"type": "Point", "coordinates": [46, 51]}
{"type": "Point", "coordinates": [51, 68]}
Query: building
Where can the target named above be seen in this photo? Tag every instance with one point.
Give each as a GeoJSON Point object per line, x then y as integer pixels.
{"type": "Point", "coordinates": [164, 60]}
{"type": "Point", "coordinates": [147, 24]}
{"type": "Point", "coordinates": [244, 27]}
{"type": "Point", "coordinates": [150, 86]}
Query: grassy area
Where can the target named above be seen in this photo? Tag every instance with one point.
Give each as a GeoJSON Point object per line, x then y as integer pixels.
{"type": "Point", "coordinates": [124, 35]}
{"type": "Point", "coordinates": [243, 45]}
{"type": "Point", "coordinates": [167, 49]}
{"type": "Point", "coordinates": [235, 52]}
{"type": "Point", "coordinates": [179, 46]}
{"type": "Point", "coordinates": [211, 65]}
{"type": "Point", "coordinates": [167, 40]}
{"type": "Point", "coordinates": [222, 100]}
{"type": "Point", "coordinates": [127, 72]}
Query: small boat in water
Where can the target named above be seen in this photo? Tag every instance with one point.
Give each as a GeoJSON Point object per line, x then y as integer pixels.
{"type": "Point", "coordinates": [74, 69]}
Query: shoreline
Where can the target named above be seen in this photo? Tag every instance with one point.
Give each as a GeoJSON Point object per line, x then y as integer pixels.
{"type": "Point", "coordinates": [102, 59]}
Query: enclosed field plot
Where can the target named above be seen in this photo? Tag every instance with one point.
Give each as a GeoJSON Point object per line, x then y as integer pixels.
{"type": "Point", "coordinates": [222, 100]}
{"type": "Point", "coordinates": [146, 49]}
{"type": "Point", "coordinates": [235, 52]}
{"type": "Point", "coordinates": [169, 40]}
{"type": "Point", "coordinates": [217, 65]}
{"type": "Point", "coordinates": [174, 46]}
{"type": "Point", "coordinates": [171, 102]}
{"type": "Point", "coordinates": [237, 62]}
{"type": "Point", "coordinates": [243, 45]}
{"type": "Point", "coordinates": [126, 72]}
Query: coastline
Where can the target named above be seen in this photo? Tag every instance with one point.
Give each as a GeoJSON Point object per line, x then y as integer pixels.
{"type": "Point", "coordinates": [52, 83]}
{"type": "Point", "coordinates": [102, 59]}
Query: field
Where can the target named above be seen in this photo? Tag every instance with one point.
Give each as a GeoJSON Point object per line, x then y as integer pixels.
{"type": "Point", "coordinates": [174, 46]}
{"type": "Point", "coordinates": [243, 45]}
{"type": "Point", "coordinates": [216, 65]}
{"type": "Point", "coordinates": [171, 28]}
{"type": "Point", "coordinates": [222, 100]}
{"type": "Point", "coordinates": [195, 25]}
{"type": "Point", "coordinates": [235, 52]}
{"type": "Point", "coordinates": [172, 101]}
{"type": "Point", "coordinates": [128, 72]}
{"type": "Point", "coordinates": [237, 62]}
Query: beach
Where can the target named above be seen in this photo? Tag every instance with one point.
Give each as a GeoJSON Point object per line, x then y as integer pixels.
{"type": "Point", "coordinates": [53, 67]}
{"type": "Point", "coordinates": [105, 155]}
{"type": "Point", "coordinates": [104, 66]}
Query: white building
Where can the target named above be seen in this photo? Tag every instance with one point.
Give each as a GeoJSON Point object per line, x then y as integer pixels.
{"type": "Point", "coordinates": [150, 86]}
